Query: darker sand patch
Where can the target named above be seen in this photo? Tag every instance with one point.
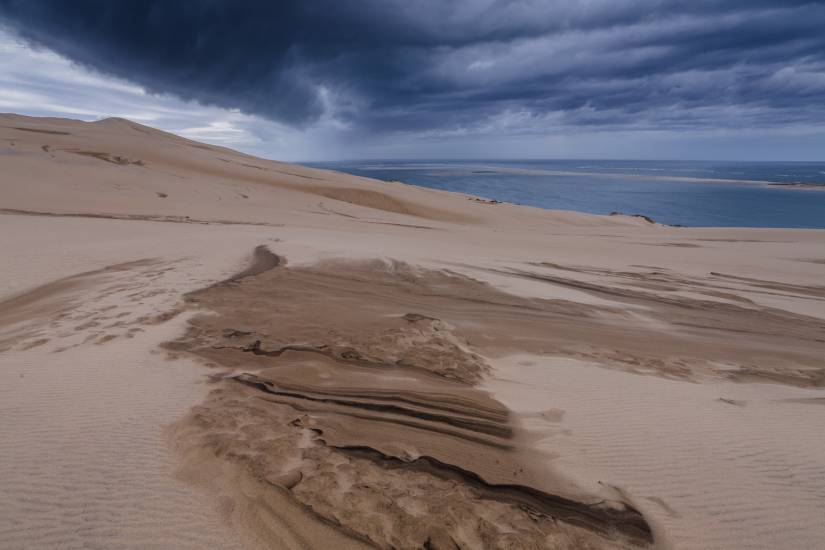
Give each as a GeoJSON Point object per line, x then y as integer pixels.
{"type": "Point", "coordinates": [722, 240]}
{"type": "Point", "coordinates": [43, 131]}
{"type": "Point", "coordinates": [408, 225]}
{"type": "Point", "coordinates": [673, 335]}
{"type": "Point", "coordinates": [807, 400]}
{"type": "Point", "coordinates": [349, 387]}
{"type": "Point", "coordinates": [46, 299]}
{"type": "Point", "coordinates": [664, 506]}
{"type": "Point", "coordinates": [263, 260]}
{"type": "Point", "coordinates": [134, 217]}
{"type": "Point", "coordinates": [787, 289]}
{"type": "Point", "coordinates": [108, 157]}
{"type": "Point", "coordinates": [734, 402]}
{"type": "Point", "coordinates": [382, 201]}
{"type": "Point", "coordinates": [204, 147]}
{"type": "Point", "coordinates": [22, 314]}
{"type": "Point", "coordinates": [353, 395]}
{"type": "Point", "coordinates": [675, 245]}
{"type": "Point", "coordinates": [34, 343]}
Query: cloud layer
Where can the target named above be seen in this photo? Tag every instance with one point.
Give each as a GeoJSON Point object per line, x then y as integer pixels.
{"type": "Point", "coordinates": [441, 69]}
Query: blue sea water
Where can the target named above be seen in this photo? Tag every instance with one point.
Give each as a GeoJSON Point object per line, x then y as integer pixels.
{"type": "Point", "coordinates": [674, 192]}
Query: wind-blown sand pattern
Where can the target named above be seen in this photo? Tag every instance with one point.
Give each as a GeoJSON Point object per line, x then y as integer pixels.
{"type": "Point", "coordinates": [201, 348]}
{"type": "Point", "coordinates": [342, 409]}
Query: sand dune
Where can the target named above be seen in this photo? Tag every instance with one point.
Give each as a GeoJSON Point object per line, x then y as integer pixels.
{"type": "Point", "coordinates": [202, 348]}
{"type": "Point", "coordinates": [160, 174]}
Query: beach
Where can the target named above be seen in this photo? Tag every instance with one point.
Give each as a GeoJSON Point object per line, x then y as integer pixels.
{"type": "Point", "coordinates": [201, 348]}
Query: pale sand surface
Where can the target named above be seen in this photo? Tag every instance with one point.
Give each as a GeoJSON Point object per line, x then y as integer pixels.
{"type": "Point", "coordinates": [719, 459]}
{"type": "Point", "coordinates": [84, 463]}
{"type": "Point", "coordinates": [631, 368]}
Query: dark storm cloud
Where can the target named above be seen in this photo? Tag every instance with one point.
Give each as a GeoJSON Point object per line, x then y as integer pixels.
{"type": "Point", "coordinates": [429, 65]}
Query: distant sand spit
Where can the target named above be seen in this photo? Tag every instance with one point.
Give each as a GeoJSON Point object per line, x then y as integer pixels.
{"type": "Point", "coordinates": [482, 169]}
{"type": "Point", "coordinates": [200, 348]}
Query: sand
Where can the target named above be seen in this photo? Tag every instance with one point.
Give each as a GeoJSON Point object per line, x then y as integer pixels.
{"type": "Point", "coordinates": [202, 348]}
{"type": "Point", "coordinates": [720, 459]}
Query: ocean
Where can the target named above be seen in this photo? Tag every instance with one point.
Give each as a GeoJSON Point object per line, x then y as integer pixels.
{"type": "Point", "coordinates": [688, 193]}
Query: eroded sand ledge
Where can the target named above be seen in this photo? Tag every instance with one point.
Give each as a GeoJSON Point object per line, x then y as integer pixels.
{"type": "Point", "coordinates": [366, 413]}
{"type": "Point", "coordinates": [413, 365]}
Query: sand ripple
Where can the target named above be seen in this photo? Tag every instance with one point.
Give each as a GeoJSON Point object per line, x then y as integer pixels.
{"type": "Point", "coordinates": [714, 465]}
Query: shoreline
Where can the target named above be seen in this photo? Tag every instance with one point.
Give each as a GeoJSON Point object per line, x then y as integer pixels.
{"type": "Point", "coordinates": [672, 208]}
{"type": "Point", "coordinates": [492, 169]}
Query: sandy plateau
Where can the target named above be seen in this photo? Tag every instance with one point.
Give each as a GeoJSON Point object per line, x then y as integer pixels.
{"type": "Point", "coordinates": [200, 348]}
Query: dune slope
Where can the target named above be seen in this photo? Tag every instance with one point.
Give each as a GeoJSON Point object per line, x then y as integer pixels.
{"type": "Point", "coordinates": [269, 355]}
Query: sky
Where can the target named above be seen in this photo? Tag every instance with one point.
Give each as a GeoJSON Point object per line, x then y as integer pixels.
{"type": "Point", "coordinates": [368, 79]}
